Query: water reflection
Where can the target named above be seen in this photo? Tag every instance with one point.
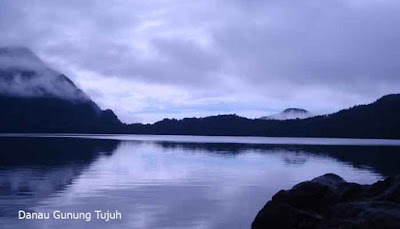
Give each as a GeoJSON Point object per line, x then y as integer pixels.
{"type": "Point", "coordinates": [33, 169]}
{"type": "Point", "coordinates": [160, 184]}
{"type": "Point", "coordinates": [382, 159]}
{"type": "Point", "coordinates": [21, 151]}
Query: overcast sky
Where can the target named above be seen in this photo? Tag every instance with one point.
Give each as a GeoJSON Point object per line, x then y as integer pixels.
{"type": "Point", "coordinates": [152, 59]}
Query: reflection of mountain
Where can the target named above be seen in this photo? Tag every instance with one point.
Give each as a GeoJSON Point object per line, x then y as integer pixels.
{"type": "Point", "coordinates": [295, 159]}
{"type": "Point", "coordinates": [35, 168]}
{"type": "Point", "coordinates": [51, 151]}
{"type": "Point", "coordinates": [141, 178]}
{"type": "Point", "coordinates": [382, 159]}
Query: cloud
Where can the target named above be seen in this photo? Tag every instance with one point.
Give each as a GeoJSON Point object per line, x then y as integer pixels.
{"type": "Point", "coordinates": [22, 73]}
{"type": "Point", "coordinates": [247, 57]}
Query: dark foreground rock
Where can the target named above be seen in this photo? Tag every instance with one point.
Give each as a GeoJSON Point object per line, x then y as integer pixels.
{"type": "Point", "coordinates": [329, 201]}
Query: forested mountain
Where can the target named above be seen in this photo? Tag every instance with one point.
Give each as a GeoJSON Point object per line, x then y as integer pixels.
{"type": "Point", "coordinates": [35, 98]}
{"type": "Point", "coordinates": [380, 119]}
{"type": "Point", "coordinates": [289, 113]}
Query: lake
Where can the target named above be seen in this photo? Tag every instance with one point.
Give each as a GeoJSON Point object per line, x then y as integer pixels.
{"type": "Point", "coordinates": [171, 181]}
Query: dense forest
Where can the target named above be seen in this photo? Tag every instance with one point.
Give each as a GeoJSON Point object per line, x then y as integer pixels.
{"type": "Point", "coordinates": [37, 99]}
{"type": "Point", "coordinates": [377, 120]}
{"type": "Point", "coordinates": [53, 115]}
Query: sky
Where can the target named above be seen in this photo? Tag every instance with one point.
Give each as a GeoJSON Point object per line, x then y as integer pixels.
{"type": "Point", "coordinates": [155, 59]}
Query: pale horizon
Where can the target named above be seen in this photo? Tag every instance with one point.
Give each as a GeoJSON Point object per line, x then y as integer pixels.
{"type": "Point", "coordinates": [171, 59]}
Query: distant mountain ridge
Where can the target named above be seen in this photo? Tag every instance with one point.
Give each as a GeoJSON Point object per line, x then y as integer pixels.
{"type": "Point", "coordinates": [289, 113]}
{"type": "Point", "coordinates": [37, 99]}
{"type": "Point", "coordinates": [376, 120]}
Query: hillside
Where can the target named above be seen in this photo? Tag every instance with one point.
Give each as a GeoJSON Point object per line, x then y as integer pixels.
{"type": "Point", "coordinates": [289, 113]}
{"type": "Point", "coordinates": [35, 98]}
{"type": "Point", "coordinates": [375, 120]}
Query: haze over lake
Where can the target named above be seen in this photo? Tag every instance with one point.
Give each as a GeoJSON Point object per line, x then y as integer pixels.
{"type": "Point", "coordinates": [171, 182]}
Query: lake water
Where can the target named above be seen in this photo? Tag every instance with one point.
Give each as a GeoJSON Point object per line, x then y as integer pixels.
{"type": "Point", "coordinates": [171, 181]}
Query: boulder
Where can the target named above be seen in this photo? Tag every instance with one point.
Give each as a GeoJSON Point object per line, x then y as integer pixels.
{"type": "Point", "coordinates": [329, 201]}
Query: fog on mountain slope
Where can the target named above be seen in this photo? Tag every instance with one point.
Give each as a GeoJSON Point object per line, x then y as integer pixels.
{"type": "Point", "coordinates": [35, 98]}
{"type": "Point", "coordinates": [41, 107]}
{"type": "Point", "coordinates": [23, 74]}
{"type": "Point", "coordinates": [375, 120]}
{"type": "Point", "coordinates": [289, 113]}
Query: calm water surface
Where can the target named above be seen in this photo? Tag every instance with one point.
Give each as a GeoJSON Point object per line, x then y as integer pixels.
{"type": "Point", "coordinates": [171, 181]}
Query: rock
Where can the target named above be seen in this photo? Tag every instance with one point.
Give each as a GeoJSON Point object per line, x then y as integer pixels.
{"type": "Point", "coordinates": [329, 201]}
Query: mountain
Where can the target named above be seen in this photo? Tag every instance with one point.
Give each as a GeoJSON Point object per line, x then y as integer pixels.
{"type": "Point", "coordinates": [289, 113]}
{"type": "Point", "coordinates": [23, 74]}
{"type": "Point", "coordinates": [35, 98]}
{"type": "Point", "coordinates": [376, 120]}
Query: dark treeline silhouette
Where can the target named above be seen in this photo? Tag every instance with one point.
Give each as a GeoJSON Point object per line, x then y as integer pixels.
{"type": "Point", "coordinates": [54, 115]}
{"type": "Point", "coordinates": [380, 119]}
{"type": "Point", "coordinates": [36, 99]}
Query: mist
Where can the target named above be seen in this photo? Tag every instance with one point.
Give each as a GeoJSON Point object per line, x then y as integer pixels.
{"type": "Point", "coordinates": [24, 74]}
{"type": "Point", "coordinates": [155, 59]}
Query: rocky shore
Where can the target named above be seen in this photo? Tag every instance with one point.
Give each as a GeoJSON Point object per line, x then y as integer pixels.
{"type": "Point", "coordinates": [329, 201]}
